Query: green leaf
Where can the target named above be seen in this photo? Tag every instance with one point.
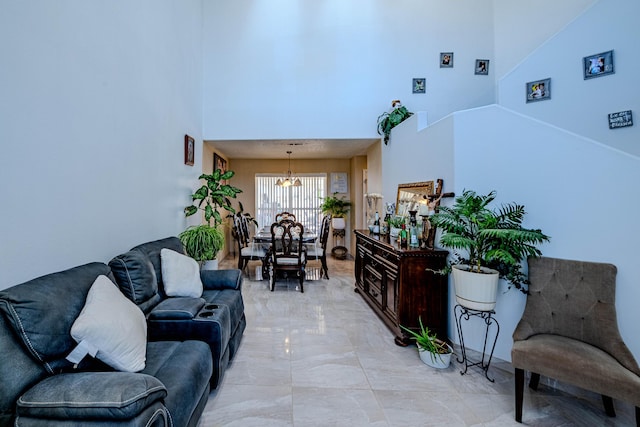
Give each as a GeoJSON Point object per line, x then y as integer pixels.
{"type": "Point", "coordinates": [190, 210]}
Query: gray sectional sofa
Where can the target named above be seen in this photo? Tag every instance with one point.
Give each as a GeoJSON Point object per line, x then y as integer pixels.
{"type": "Point", "coordinates": [190, 342]}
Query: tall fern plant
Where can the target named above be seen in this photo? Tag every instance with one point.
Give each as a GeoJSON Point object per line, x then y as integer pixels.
{"type": "Point", "coordinates": [491, 238]}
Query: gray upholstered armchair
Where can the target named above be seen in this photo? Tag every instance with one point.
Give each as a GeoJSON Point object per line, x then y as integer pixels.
{"type": "Point", "coordinates": [569, 332]}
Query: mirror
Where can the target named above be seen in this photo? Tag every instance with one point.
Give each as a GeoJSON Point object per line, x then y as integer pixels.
{"type": "Point", "coordinates": [411, 197]}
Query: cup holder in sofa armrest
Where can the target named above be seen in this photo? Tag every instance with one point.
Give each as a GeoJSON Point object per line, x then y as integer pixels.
{"type": "Point", "coordinates": [177, 308]}
{"type": "Point", "coordinates": [211, 307]}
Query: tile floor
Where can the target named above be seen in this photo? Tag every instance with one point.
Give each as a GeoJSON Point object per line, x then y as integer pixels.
{"type": "Point", "coordinates": [323, 358]}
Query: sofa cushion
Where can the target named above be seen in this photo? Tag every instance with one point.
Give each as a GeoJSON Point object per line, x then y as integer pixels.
{"type": "Point", "coordinates": [91, 396]}
{"type": "Point", "coordinates": [183, 308]}
{"type": "Point", "coordinates": [152, 251]}
{"type": "Point", "coordinates": [180, 274]}
{"type": "Point", "coordinates": [184, 367]}
{"type": "Point", "coordinates": [136, 278]}
{"type": "Point", "coordinates": [41, 312]}
{"type": "Point", "coordinates": [113, 326]}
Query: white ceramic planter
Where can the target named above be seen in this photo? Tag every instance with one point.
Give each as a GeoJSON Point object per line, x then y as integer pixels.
{"type": "Point", "coordinates": [477, 291]}
{"type": "Point", "coordinates": [438, 361]}
{"type": "Point", "coordinates": [210, 265]}
{"type": "Point", "coordinates": [338, 223]}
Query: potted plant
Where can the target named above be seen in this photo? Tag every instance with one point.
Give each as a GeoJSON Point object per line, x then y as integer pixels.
{"type": "Point", "coordinates": [390, 119]}
{"type": "Point", "coordinates": [395, 224]}
{"type": "Point", "coordinates": [214, 195]}
{"type": "Point", "coordinates": [432, 350]}
{"type": "Point", "coordinates": [202, 243]}
{"type": "Point", "coordinates": [337, 208]}
{"type": "Point", "coordinates": [495, 243]}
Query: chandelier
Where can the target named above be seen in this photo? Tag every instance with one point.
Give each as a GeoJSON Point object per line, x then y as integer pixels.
{"type": "Point", "coordinates": [289, 181]}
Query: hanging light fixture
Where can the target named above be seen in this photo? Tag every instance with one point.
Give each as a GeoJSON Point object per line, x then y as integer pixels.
{"type": "Point", "coordinates": [289, 180]}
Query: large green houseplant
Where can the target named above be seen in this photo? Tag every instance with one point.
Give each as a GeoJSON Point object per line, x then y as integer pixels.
{"type": "Point", "coordinates": [203, 242]}
{"type": "Point", "coordinates": [390, 119]}
{"type": "Point", "coordinates": [494, 241]}
{"type": "Point", "coordinates": [337, 207]}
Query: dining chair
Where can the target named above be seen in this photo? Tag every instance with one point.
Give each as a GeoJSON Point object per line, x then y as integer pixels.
{"type": "Point", "coordinates": [569, 332]}
{"type": "Point", "coordinates": [318, 249]}
{"type": "Point", "coordinates": [285, 215]}
{"type": "Point", "coordinates": [248, 250]}
{"type": "Point", "coordinates": [287, 253]}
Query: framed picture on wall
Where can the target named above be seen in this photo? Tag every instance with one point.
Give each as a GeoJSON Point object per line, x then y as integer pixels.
{"type": "Point", "coordinates": [482, 67]}
{"type": "Point", "coordinates": [538, 90]}
{"type": "Point", "coordinates": [189, 150]}
{"type": "Point", "coordinates": [219, 163]}
{"type": "Point", "coordinates": [598, 65]}
{"type": "Point", "coordinates": [419, 85]}
{"type": "Point", "coordinates": [446, 59]}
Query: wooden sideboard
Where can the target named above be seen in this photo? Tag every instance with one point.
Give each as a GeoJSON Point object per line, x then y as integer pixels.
{"type": "Point", "coordinates": [399, 286]}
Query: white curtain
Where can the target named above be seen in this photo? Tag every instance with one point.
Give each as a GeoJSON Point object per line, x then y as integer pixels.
{"type": "Point", "coordinates": [304, 201]}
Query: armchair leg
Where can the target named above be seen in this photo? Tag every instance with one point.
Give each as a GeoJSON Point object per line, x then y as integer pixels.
{"type": "Point", "coordinates": [608, 406]}
{"type": "Point", "coordinates": [519, 377]}
{"type": "Point", "coordinates": [534, 381]}
{"type": "Point", "coordinates": [637, 416]}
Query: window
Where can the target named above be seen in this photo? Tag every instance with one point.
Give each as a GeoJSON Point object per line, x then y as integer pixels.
{"type": "Point", "coordinates": [304, 201]}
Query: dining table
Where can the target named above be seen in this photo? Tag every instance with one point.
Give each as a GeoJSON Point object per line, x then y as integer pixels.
{"type": "Point", "coordinates": [263, 236]}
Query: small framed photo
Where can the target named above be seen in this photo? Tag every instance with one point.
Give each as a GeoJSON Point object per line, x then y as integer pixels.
{"type": "Point", "coordinates": [446, 59]}
{"type": "Point", "coordinates": [482, 67]}
{"type": "Point", "coordinates": [189, 150]}
{"type": "Point", "coordinates": [538, 90]}
{"type": "Point", "coordinates": [219, 163]}
{"type": "Point", "coordinates": [598, 65]}
{"type": "Point", "coordinates": [419, 85]}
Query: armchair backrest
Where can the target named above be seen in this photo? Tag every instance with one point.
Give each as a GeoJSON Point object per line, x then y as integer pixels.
{"type": "Point", "coordinates": [574, 299]}
{"type": "Point", "coordinates": [286, 240]}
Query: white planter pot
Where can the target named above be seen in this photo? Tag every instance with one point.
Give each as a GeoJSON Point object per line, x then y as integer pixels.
{"type": "Point", "coordinates": [338, 223]}
{"type": "Point", "coordinates": [477, 291]}
{"type": "Point", "coordinates": [438, 361]}
{"type": "Point", "coordinates": [394, 232]}
{"type": "Point", "coordinates": [209, 265]}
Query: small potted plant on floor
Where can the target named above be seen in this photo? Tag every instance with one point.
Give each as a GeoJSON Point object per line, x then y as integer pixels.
{"type": "Point", "coordinates": [433, 351]}
{"type": "Point", "coordinates": [495, 244]}
{"type": "Point", "coordinates": [338, 208]}
{"type": "Point", "coordinates": [206, 240]}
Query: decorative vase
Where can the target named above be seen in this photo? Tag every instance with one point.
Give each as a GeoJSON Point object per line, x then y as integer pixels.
{"type": "Point", "coordinates": [477, 291]}
{"type": "Point", "coordinates": [438, 361]}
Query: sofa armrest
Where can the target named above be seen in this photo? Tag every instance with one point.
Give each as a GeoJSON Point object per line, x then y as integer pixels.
{"type": "Point", "coordinates": [91, 396]}
{"type": "Point", "coordinates": [221, 279]}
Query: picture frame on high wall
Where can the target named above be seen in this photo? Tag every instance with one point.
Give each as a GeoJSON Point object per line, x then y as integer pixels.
{"type": "Point", "coordinates": [598, 65]}
{"type": "Point", "coordinates": [446, 59]}
{"type": "Point", "coordinates": [538, 90]}
{"type": "Point", "coordinates": [418, 85]}
{"type": "Point", "coordinates": [482, 67]}
{"type": "Point", "coordinates": [189, 150]}
{"type": "Point", "coordinates": [219, 163]}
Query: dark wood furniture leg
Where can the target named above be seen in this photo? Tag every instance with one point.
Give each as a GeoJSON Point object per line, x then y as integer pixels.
{"type": "Point", "coordinates": [519, 393]}
{"type": "Point", "coordinates": [608, 406]}
{"type": "Point", "coordinates": [534, 381]}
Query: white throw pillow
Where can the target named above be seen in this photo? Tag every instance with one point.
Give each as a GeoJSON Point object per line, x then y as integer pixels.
{"type": "Point", "coordinates": [180, 274]}
{"type": "Point", "coordinates": [112, 325]}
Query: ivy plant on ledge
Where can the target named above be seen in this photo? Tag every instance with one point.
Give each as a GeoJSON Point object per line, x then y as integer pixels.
{"type": "Point", "coordinates": [389, 120]}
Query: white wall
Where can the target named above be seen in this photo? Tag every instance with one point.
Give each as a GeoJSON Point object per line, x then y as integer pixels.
{"type": "Point", "coordinates": [542, 20]}
{"type": "Point", "coordinates": [579, 105]}
{"type": "Point", "coordinates": [292, 69]}
{"type": "Point", "coordinates": [571, 187]}
{"type": "Point", "coordinates": [96, 99]}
